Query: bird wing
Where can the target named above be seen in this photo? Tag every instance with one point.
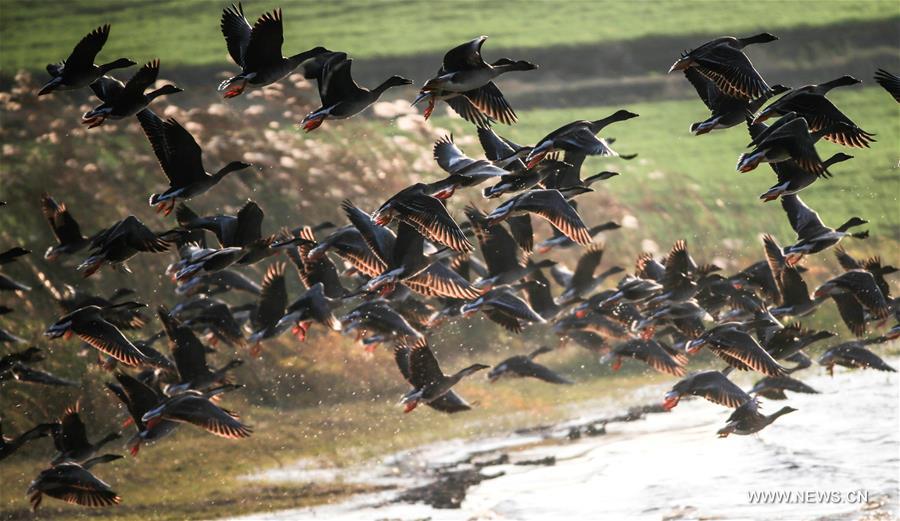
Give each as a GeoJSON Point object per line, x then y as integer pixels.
{"type": "Point", "coordinates": [536, 370]}
{"type": "Point", "coordinates": [64, 226]}
{"type": "Point", "coordinates": [273, 297]}
{"type": "Point", "coordinates": [469, 112]}
{"type": "Point", "coordinates": [84, 53]}
{"type": "Point", "coordinates": [587, 265]}
{"type": "Point", "coordinates": [380, 240]}
{"type": "Point", "coordinates": [437, 280]}
{"type": "Point", "coordinates": [721, 390]}
{"type": "Point", "coordinates": [449, 157]}
{"type": "Point", "coordinates": [732, 72]}
{"type": "Point", "coordinates": [178, 153]}
{"type": "Point", "coordinates": [236, 30]}
{"type": "Point", "coordinates": [423, 366]}
{"type": "Point", "coordinates": [249, 224]}
{"type": "Point", "coordinates": [804, 220]}
{"type": "Point", "coordinates": [264, 45]}
{"type": "Point", "coordinates": [337, 83]}
{"type": "Point", "coordinates": [430, 217]}
{"type": "Point", "coordinates": [489, 101]}
{"type": "Point", "coordinates": [889, 82]}
{"type": "Point", "coordinates": [465, 57]}
{"type": "Point", "coordinates": [143, 78]}
{"type": "Point", "coordinates": [745, 348]}
{"type": "Point", "coordinates": [23, 373]}
{"type": "Point", "coordinates": [73, 434]}
{"type": "Point", "coordinates": [107, 339]}
{"type": "Point", "coordinates": [201, 412]}
{"type": "Point", "coordinates": [552, 206]}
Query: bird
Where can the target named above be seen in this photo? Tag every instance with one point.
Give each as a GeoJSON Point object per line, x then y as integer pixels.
{"type": "Point", "coordinates": [341, 96]}
{"type": "Point", "coordinates": [711, 385]}
{"type": "Point", "coordinates": [793, 296]}
{"type": "Point", "coordinates": [91, 327]}
{"type": "Point", "coordinates": [79, 70]}
{"type": "Point", "coordinates": [873, 265]}
{"type": "Point", "coordinates": [737, 348]}
{"type": "Point", "coordinates": [271, 305]}
{"type": "Point", "coordinates": [810, 103]}
{"type": "Point", "coordinates": [505, 308]}
{"type": "Point", "coordinates": [812, 235]}
{"type": "Point", "coordinates": [852, 355]}
{"type": "Point", "coordinates": [74, 484]}
{"type": "Point", "coordinates": [657, 355]}
{"type": "Point", "coordinates": [181, 159]}
{"type": "Point", "coordinates": [773, 387]}
{"type": "Point", "coordinates": [189, 354]}
{"type": "Point", "coordinates": [378, 317]}
{"type": "Point", "coordinates": [726, 111]}
{"type": "Point", "coordinates": [723, 61]}
{"type": "Point", "coordinates": [195, 408]}
{"type": "Point", "coordinates": [122, 241]}
{"type": "Point", "coordinates": [16, 366]}
{"type": "Point", "coordinates": [465, 82]}
{"type": "Point", "coordinates": [551, 206]}
{"type": "Point", "coordinates": [418, 208]}
{"type": "Point", "coordinates": [257, 51]}
{"type": "Point", "coordinates": [524, 366]}
{"type": "Point", "coordinates": [420, 368]}
{"type": "Point", "coordinates": [889, 82]}
{"type": "Point", "coordinates": [577, 136]}
{"type": "Point", "coordinates": [855, 292]}
{"type": "Point", "coordinates": [70, 439]}
{"type": "Point", "coordinates": [747, 419]}
{"type": "Point", "coordinates": [139, 398]}
{"type": "Point", "coordinates": [241, 229]}
{"type": "Point", "coordinates": [791, 178]}
{"type": "Point", "coordinates": [463, 171]}
{"type": "Point", "coordinates": [583, 281]}
{"type": "Point", "coordinates": [789, 138]}
{"type": "Point", "coordinates": [68, 234]}
{"type": "Point", "coordinates": [312, 306]}
{"type": "Point", "coordinates": [8, 446]}
{"type": "Point", "coordinates": [123, 100]}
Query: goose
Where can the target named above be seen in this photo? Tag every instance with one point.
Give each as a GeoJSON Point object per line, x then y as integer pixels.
{"type": "Point", "coordinates": [577, 136]}
{"type": "Point", "coordinates": [420, 368]}
{"type": "Point", "coordinates": [74, 484]}
{"type": "Point", "coordinates": [789, 138]}
{"type": "Point", "coordinates": [79, 70]}
{"type": "Point", "coordinates": [66, 229]}
{"type": "Point", "coordinates": [195, 408]}
{"type": "Point", "coordinates": [312, 306]}
{"type": "Point", "coordinates": [139, 398]}
{"type": "Point", "coordinates": [123, 100]}
{"type": "Point", "coordinates": [257, 51]}
{"type": "Point", "coordinates": [503, 307]}
{"type": "Point", "coordinates": [855, 292]}
{"type": "Point", "coordinates": [747, 419]}
{"type": "Point", "coordinates": [713, 386]}
{"type": "Point", "coordinates": [341, 96]}
{"type": "Point", "coordinates": [812, 235]}
{"type": "Point", "coordinates": [723, 61]}
{"type": "Point", "coordinates": [737, 348]}
{"type": "Point", "coordinates": [657, 355]}
{"type": "Point", "coordinates": [92, 328]}
{"type": "Point", "coordinates": [853, 355]}
{"type": "Point", "coordinates": [190, 358]}
{"type": "Point", "coordinates": [773, 387]}
{"type": "Point", "coordinates": [524, 366]}
{"type": "Point", "coordinates": [122, 241]}
{"type": "Point", "coordinates": [551, 206]}
{"type": "Point", "coordinates": [70, 439]}
{"type": "Point", "coordinates": [181, 159]}
{"type": "Point", "coordinates": [465, 73]}
{"type": "Point", "coordinates": [810, 103]}
{"type": "Point", "coordinates": [8, 446]}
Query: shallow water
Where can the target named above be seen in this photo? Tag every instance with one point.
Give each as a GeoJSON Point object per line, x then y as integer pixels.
{"type": "Point", "coordinates": [843, 442]}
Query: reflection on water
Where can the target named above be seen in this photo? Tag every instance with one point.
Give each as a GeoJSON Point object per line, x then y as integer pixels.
{"type": "Point", "coordinates": [672, 466]}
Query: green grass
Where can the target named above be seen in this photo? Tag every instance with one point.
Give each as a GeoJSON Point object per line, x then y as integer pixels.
{"type": "Point", "coordinates": [187, 32]}
{"type": "Point", "coordinates": [685, 186]}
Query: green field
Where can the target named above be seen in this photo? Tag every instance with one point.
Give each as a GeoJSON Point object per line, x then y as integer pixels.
{"type": "Point", "coordinates": [187, 32]}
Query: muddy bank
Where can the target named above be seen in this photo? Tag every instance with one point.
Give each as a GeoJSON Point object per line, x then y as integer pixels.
{"type": "Point", "coordinates": [844, 441]}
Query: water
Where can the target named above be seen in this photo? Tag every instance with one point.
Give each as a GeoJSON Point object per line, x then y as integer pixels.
{"type": "Point", "coordinates": [844, 441]}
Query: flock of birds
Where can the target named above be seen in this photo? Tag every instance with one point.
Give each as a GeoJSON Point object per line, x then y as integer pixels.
{"type": "Point", "coordinates": [661, 314]}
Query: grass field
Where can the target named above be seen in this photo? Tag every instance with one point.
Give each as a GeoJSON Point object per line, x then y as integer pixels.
{"type": "Point", "coordinates": [187, 32]}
